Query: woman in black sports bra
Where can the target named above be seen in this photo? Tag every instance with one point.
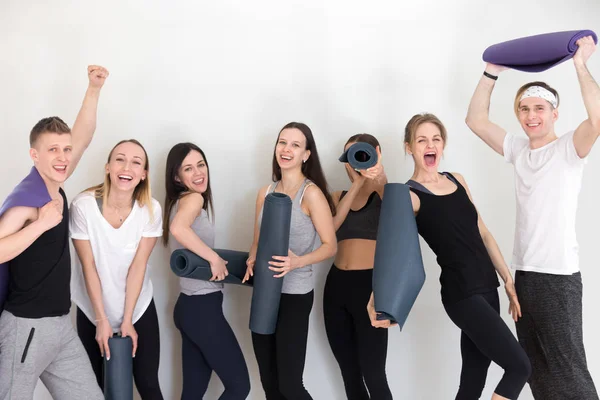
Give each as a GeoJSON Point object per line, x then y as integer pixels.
{"type": "Point", "coordinates": [359, 348]}
{"type": "Point", "coordinates": [469, 258]}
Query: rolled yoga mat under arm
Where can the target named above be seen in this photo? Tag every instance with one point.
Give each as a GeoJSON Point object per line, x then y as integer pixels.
{"type": "Point", "coordinates": [536, 53]}
{"type": "Point", "coordinates": [398, 273]}
{"type": "Point", "coordinates": [118, 371]}
{"type": "Point", "coordinates": [273, 241]}
{"type": "Point", "coordinates": [30, 192]}
{"type": "Point", "coordinates": [360, 155]}
{"type": "Point", "coordinates": [187, 264]}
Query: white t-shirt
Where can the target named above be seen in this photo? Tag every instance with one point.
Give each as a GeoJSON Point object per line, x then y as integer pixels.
{"type": "Point", "coordinates": [547, 183]}
{"type": "Point", "coordinates": [114, 250]}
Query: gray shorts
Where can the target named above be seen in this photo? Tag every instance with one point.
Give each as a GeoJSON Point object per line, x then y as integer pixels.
{"type": "Point", "coordinates": [551, 332]}
{"type": "Point", "coordinates": [48, 349]}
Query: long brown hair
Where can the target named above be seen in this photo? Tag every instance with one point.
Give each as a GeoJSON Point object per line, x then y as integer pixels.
{"type": "Point", "coordinates": [312, 167]}
{"type": "Point", "coordinates": [174, 189]}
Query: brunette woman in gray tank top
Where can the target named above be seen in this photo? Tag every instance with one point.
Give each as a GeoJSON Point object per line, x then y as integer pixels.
{"type": "Point", "coordinates": [187, 225]}
{"type": "Point", "coordinates": [297, 172]}
{"type": "Point", "coordinates": [359, 348]}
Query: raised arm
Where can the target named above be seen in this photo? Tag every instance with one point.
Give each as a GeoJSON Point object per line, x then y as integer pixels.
{"type": "Point", "coordinates": [16, 235]}
{"type": "Point", "coordinates": [496, 257]}
{"type": "Point", "coordinates": [190, 207]}
{"type": "Point", "coordinates": [586, 134]}
{"type": "Point", "coordinates": [478, 119]}
{"type": "Point", "coordinates": [85, 124]}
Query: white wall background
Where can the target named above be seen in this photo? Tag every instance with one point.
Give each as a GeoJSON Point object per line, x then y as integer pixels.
{"type": "Point", "coordinates": [227, 75]}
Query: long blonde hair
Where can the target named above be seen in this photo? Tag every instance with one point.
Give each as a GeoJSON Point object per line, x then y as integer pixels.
{"type": "Point", "coordinates": [142, 193]}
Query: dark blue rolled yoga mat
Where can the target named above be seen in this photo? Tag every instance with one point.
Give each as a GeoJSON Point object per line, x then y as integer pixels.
{"type": "Point", "coordinates": [274, 238]}
{"type": "Point", "coordinates": [398, 273]}
{"type": "Point", "coordinates": [536, 53]}
{"type": "Point", "coordinates": [360, 155]}
{"type": "Point", "coordinates": [118, 371]}
{"type": "Point", "coordinates": [30, 192]}
{"type": "Point", "coordinates": [187, 264]}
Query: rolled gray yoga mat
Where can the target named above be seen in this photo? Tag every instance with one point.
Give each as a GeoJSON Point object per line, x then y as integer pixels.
{"type": "Point", "coordinates": [187, 264]}
{"type": "Point", "coordinates": [273, 241]}
{"type": "Point", "coordinates": [118, 371]}
{"type": "Point", "coordinates": [398, 273]}
{"type": "Point", "coordinates": [360, 155]}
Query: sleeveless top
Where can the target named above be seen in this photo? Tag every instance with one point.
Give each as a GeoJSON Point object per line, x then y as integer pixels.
{"type": "Point", "coordinates": [205, 230]}
{"type": "Point", "coordinates": [363, 223]}
{"type": "Point", "coordinates": [448, 223]}
{"type": "Point", "coordinates": [302, 241]}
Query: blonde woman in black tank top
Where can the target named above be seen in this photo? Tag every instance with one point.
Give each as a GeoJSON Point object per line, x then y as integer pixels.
{"type": "Point", "coordinates": [469, 258]}
{"type": "Point", "coordinates": [359, 348]}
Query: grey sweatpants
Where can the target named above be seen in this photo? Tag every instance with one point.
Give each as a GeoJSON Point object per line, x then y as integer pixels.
{"type": "Point", "coordinates": [45, 348]}
{"type": "Point", "coordinates": [551, 332]}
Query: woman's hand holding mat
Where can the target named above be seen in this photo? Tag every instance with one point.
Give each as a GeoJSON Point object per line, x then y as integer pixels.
{"type": "Point", "coordinates": [218, 267]}
{"type": "Point", "coordinates": [285, 264]}
{"type": "Point", "coordinates": [385, 323]}
{"type": "Point", "coordinates": [127, 330]}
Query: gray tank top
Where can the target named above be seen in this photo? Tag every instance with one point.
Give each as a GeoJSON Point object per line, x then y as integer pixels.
{"type": "Point", "coordinates": [302, 241]}
{"type": "Point", "coordinates": [205, 230]}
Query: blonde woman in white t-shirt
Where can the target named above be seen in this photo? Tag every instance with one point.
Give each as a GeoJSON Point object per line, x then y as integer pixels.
{"type": "Point", "coordinates": [549, 171]}
{"type": "Point", "coordinates": [114, 227]}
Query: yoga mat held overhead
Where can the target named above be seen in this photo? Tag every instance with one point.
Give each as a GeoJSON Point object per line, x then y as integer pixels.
{"type": "Point", "coordinates": [274, 240]}
{"type": "Point", "coordinates": [30, 192]}
{"type": "Point", "coordinates": [536, 53]}
{"type": "Point", "coordinates": [398, 273]}
{"type": "Point", "coordinates": [187, 264]}
{"type": "Point", "coordinates": [118, 371]}
{"type": "Point", "coordinates": [360, 155]}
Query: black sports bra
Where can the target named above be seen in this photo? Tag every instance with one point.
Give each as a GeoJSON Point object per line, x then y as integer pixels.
{"type": "Point", "coordinates": [363, 223]}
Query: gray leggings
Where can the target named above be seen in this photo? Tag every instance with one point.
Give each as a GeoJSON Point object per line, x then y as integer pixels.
{"type": "Point", "coordinates": [48, 349]}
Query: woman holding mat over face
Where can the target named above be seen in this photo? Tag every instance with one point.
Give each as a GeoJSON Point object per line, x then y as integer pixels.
{"type": "Point", "coordinates": [297, 173]}
{"type": "Point", "coordinates": [359, 348]}
{"type": "Point", "coordinates": [114, 227]}
{"type": "Point", "coordinates": [469, 259]}
{"type": "Point", "coordinates": [208, 343]}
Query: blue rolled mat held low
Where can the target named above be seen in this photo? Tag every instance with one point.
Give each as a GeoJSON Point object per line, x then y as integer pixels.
{"type": "Point", "coordinates": [536, 53]}
{"type": "Point", "coordinates": [187, 264]}
{"type": "Point", "coordinates": [118, 371]}
{"type": "Point", "coordinates": [274, 238]}
{"type": "Point", "coordinates": [398, 272]}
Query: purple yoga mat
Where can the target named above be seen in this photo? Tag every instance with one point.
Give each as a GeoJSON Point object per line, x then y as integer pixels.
{"type": "Point", "coordinates": [30, 192]}
{"type": "Point", "coordinates": [536, 53]}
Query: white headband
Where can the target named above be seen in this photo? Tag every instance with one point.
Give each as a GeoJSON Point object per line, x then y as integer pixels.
{"type": "Point", "coordinates": [542, 93]}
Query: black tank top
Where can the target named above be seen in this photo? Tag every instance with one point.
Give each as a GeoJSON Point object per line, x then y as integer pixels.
{"type": "Point", "coordinates": [363, 223]}
{"type": "Point", "coordinates": [448, 223]}
{"type": "Point", "coordinates": [40, 276]}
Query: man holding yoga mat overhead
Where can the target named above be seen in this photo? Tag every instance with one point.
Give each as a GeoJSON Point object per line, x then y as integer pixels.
{"type": "Point", "coordinates": [297, 173]}
{"type": "Point", "coordinates": [207, 341]}
{"type": "Point", "coordinates": [469, 259]}
{"type": "Point", "coordinates": [37, 339]}
{"type": "Point", "coordinates": [548, 172]}
{"type": "Point", "coordinates": [359, 348]}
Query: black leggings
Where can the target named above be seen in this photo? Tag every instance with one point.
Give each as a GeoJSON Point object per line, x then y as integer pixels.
{"type": "Point", "coordinates": [359, 348]}
{"type": "Point", "coordinates": [209, 344]}
{"type": "Point", "coordinates": [145, 363]}
{"type": "Point", "coordinates": [281, 356]}
{"type": "Point", "coordinates": [486, 338]}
